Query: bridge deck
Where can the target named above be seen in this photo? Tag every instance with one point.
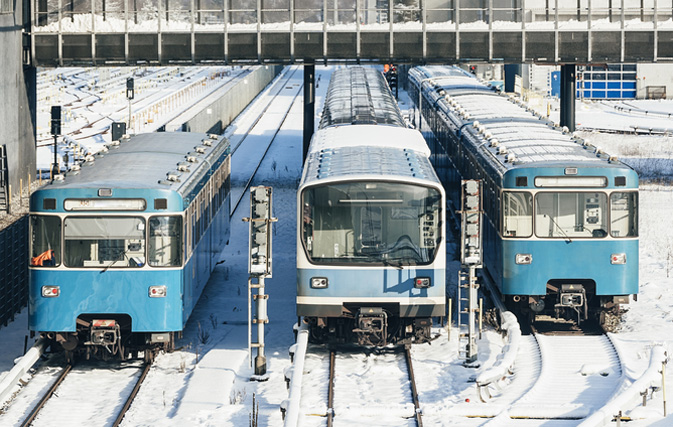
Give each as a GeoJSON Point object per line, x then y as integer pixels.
{"type": "Point", "coordinates": [68, 32]}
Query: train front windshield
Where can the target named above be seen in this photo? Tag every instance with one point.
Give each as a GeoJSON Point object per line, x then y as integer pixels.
{"type": "Point", "coordinates": [371, 223]}
{"type": "Point", "coordinates": [106, 241]}
{"type": "Point", "coordinates": [567, 215]}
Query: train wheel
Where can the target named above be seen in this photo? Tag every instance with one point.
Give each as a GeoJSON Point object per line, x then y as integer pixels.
{"type": "Point", "coordinates": [149, 355]}
{"type": "Point", "coordinates": [69, 357]}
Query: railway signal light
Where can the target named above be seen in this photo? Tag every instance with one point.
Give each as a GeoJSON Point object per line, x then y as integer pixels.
{"type": "Point", "coordinates": [471, 249]}
{"type": "Point", "coordinates": [259, 260]}
{"type": "Point", "coordinates": [55, 120]}
{"type": "Point", "coordinates": [129, 88]}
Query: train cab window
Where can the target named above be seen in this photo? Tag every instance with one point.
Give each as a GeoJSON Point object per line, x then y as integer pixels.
{"type": "Point", "coordinates": [517, 214]}
{"type": "Point", "coordinates": [45, 248]}
{"type": "Point", "coordinates": [107, 242]}
{"type": "Point", "coordinates": [571, 215]}
{"type": "Point", "coordinates": [624, 214]}
{"type": "Point", "coordinates": [371, 223]}
{"type": "Point", "coordinates": [165, 245]}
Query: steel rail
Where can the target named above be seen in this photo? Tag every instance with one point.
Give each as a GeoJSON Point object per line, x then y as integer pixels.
{"type": "Point", "coordinates": [36, 410]}
{"type": "Point", "coordinates": [134, 392]}
{"type": "Point", "coordinates": [414, 390]}
{"type": "Point", "coordinates": [330, 389]}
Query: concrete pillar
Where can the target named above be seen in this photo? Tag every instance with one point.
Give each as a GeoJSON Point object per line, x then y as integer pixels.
{"type": "Point", "coordinates": [568, 96]}
{"type": "Point", "coordinates": [511, 71]}
{"type": "Point", "coordinates": [309, 105]}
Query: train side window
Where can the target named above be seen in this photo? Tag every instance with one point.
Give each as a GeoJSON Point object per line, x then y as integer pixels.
{"type": "Point", "coordinates": [165, 245]}
{"type": "Point", "coordinates": [624, 214]}
{"type": "Point", "coordinates": [45, 248]}
{"type": "Point", "coordinates": [517, 210]}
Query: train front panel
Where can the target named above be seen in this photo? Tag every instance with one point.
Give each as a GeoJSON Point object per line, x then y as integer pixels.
{"type": "Point", "coordinates": [568, 238]}
{"type": "Point", "coordinates": [371, 246]}
{"type": "Point", "coordinates": [152, 300]}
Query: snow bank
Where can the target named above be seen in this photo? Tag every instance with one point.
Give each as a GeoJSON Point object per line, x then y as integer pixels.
{"type": "Point", "coordinates": [624, 401]}
{"type": "Point", "coordinates": [506, 359]}
{"type": "Point", "coordinates": [296, 373]}
{"type": "Point", "coordinates": [21, 367]}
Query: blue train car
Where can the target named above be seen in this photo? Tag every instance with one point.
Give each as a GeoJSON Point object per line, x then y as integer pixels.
{"type": "Point", "coordinates": [371, 250]}
{"type": "Point", "coordinates": [561, 229]}
{"type": "Point", "coordinates": [122, 248]}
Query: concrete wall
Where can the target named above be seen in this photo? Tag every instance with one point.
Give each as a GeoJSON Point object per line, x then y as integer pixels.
{"type": "Point", "coordinates": [216, 112]}
{"type": "Point", "coordinates": [654, 75]}
{"type": "Point", "coordinates": [17, 131]}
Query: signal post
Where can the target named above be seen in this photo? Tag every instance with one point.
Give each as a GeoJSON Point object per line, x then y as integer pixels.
{"type": "Point", "coordinates": [259, 268]}
{"type": "Point", "coordinates": [471, 258]}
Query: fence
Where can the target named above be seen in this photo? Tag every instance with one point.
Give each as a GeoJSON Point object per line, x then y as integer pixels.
{"type": "Point", "coordinates": [13, 269]}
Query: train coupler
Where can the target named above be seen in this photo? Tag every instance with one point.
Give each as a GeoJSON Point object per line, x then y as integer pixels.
{"type": "Point", "coordinates": [372, 326]}
{"type": "Point", "coordinates": [574, 296]}
{"type": "Point", "coordinates": [104, 332]}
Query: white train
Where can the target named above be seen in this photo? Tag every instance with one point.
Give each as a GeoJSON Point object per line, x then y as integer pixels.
{"type": "Point", "coordinates": [371, 251]}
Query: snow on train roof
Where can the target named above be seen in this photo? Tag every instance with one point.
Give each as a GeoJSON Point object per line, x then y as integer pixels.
{"type": "Point", "coordinates": [514, 134]}
{"type": "Point", "coordinates": [148, 161]}
{"type": "Point", "coordinates": [358, 95]}
{"type": "Point", "coordinates": [379, 150]}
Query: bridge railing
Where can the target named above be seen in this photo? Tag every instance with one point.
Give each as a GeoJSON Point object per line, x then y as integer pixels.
{"type": "Point", "coordinates": [287, 31]}
{"type": "Point", "coordinates": [77, 16]}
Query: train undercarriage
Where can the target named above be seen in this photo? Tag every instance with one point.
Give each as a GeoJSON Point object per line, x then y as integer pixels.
{"type": "Point", "coordinates": [575, 301]}
{"type": "Point", "coordinates": [371, 327]}
{"type": "Point", "coordinates": [107, 337]}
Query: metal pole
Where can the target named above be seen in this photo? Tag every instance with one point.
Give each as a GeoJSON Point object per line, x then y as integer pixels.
{"type": "Point", "coordinates": [473, 300]}
{"type": "Point", "coordinates": [309, 105]}
{"type": "Point", "coordinates": [54, 167]}
{"type": "Point", "coordinates": [261, 319]}
{"type": "Point", "coordinates": [663, 384]}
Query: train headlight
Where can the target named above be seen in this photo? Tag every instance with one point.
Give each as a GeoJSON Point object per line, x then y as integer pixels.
{"type": "Point", "coordinates": [319, 282]}
{"type": "Point", "coordinates": [422, 282]}
{"type": "Point", "coordinates": [618, 259]}
{"type": "Point", "coordinates": [157, 291]}
{"type": "Point", "coordinates": [524, 258]}
{"type": "Point", "coordinates": [51, 291]}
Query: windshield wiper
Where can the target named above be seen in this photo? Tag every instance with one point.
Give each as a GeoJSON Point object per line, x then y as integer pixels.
{"type": "Point", "coordinates": [387, 263]}
{"type": "Point", "coordinates": [121, 253]}
{"type": "Point", "coordinates": [567, 238]}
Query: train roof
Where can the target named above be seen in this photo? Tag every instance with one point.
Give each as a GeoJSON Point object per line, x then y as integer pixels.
{"type": "Point", "coordinates": [358, 95]}
{"type": "Point", "coordinates": [163, 160]}
{"type": "Point", "coordinates": [511, 135]}
{"type": "Point", "coordinates": [349, 152]}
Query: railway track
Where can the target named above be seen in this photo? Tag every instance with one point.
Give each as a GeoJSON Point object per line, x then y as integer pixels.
{"type": "Point", "coordinates": [146, 100]}
{"type": "Point", "coordinates": [95, 397]}
{"type": "Point", "coordinates": [564, 377]}
{"type": "Point", "coordinates": [251, 155]}
{"type": "Point", "coordinates": [362, 388]}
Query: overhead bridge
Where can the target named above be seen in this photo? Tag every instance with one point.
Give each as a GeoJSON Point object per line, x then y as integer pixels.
{"type": "Point", "coordinates": [128, 32]}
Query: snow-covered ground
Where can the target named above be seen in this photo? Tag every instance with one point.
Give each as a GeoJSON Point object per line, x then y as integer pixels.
{"type": "Point", "coordinates": [207, 380]}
